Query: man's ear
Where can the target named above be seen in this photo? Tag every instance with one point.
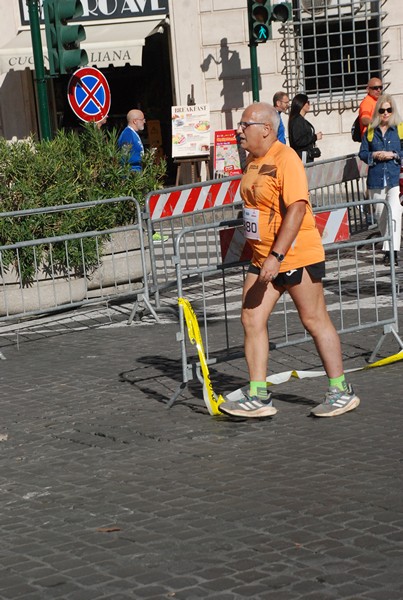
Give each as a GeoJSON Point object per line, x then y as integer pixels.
{"type": "Point", "coordinates": [268, 130]}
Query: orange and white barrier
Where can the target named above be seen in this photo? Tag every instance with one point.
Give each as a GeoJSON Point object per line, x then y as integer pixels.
{"type": "Point", "coordinates": [195, 198]}
{"type": "Point", "coordinates": [333, 225]}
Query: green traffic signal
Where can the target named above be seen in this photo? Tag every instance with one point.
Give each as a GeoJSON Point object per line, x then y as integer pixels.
{"type": "Point", "coordinates": [259, 21]}
{"type": "Point", "coordinates": [261, 14]}
{"type": "Point", "coordinates": [63, 39]}
{"type": "Point", "coordinates": [261, 32]}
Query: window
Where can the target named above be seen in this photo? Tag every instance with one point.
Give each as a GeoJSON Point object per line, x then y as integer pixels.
{"type": "Point", "coordinates": [332, 48]}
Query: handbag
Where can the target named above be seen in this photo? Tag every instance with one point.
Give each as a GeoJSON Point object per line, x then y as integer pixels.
{"type": "Point", "coordinates": [314, 152]}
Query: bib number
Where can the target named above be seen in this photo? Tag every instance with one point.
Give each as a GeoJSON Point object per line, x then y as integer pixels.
{"type": "Point", "coordinates": [251, 223]}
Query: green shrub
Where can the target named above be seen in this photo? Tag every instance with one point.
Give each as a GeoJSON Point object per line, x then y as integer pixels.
{"type": "Point", "coordinates": [70, 168]}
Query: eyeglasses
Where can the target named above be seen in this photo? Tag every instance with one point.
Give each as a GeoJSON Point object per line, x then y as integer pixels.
{"type": "Point", "coordinates": [143, 119]}
{"type": "Point", "coordinates": [384, 110]}
{"type": "Point", "coordinates": [244, 124]}
{"type": "Point", "coordinates": [376, 87]}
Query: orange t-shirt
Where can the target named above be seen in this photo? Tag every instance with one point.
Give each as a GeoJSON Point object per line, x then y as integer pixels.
{"type": "Point", "coordinates": [366, 109]}
{"type": "Point", "coordinates": [270, 184]}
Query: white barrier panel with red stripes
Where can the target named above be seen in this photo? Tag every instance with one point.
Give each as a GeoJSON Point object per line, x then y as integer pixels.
{"type": "Point", "coordinates": [333, 227]}
{"type": "Point", "coordinates": [192, 199]}
{"type": "Point", "coordinates": [168, 211]}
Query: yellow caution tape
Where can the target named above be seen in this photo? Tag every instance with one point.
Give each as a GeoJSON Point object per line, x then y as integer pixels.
{"type": "Point", "coordinates": [278, 378]}
{"type": "Point", "coordinates": [211, 399]}
{"type": "Point", "coordinates": [386, 361]}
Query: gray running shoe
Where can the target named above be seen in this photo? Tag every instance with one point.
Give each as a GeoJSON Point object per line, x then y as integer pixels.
{"type": "Point", "coordinates": [248, 406]}
{"type": "Point", "coordinates": [336, 403]}
{"type": "Point", "coordinates": [237, 395]}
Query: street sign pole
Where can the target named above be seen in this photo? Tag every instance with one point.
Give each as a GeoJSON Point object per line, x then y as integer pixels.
{"type": "Point", "coordinates": [254, 72]}
{"type": "Point", "coordinates": [40, 79]}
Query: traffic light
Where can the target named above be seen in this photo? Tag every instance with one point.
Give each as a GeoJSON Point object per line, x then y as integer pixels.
{"type": "Point", "coordinates": [281, 11]}
{"type": "Point", "coordinates": [63, 38]}
{"type": "Point", "coordinates": [262, 13]}
{"type": "Point", "coordinates": [259, 12]}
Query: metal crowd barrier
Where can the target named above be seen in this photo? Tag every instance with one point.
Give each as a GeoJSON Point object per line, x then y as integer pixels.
{"type": "Point", "coordinates": [360, 292]}
{"type": "Point", "coordinates": [108, 263]}
{"type": "Point", "coordinates": [168, 211]}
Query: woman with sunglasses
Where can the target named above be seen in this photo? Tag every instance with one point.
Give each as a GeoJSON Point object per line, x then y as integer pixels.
{"type": "Point", "coordinates": [381, 149]}
{"type": "Point", "coordinates": [301, 133]}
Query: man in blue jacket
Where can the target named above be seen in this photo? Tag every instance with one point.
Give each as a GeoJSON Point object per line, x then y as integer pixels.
{"type": "Point", "coordinates": [129, 140]}
{"type": "Point", "coordinates": [281, 103]}
{"type": "Point", "coordinates": [130, 143]}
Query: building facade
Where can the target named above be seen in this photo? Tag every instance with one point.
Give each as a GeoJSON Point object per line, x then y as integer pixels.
{"type": "Point", "coordinates": [160, 53]}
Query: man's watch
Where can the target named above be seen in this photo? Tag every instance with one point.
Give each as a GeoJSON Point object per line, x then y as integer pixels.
{"type": "Point", "coordinates": [280, 257]}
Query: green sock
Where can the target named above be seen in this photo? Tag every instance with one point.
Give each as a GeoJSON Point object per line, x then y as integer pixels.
{"type": "Point", "coordinates": [259, 389]}
{"type": "Point", "coordinates": [339, 382]}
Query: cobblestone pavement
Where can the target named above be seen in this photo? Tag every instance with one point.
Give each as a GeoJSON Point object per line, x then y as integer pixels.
{"type": "Point", "coordinates": [107, 494]}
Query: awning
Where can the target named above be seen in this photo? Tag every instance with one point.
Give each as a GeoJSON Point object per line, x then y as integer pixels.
{"type": "Point", "coordinates": [115, 44]}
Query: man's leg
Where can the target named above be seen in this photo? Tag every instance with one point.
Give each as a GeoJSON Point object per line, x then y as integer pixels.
{"type": "Point", "coordinates": [258, 301]}
{"type": "Point", "coordinates": [309, 300]}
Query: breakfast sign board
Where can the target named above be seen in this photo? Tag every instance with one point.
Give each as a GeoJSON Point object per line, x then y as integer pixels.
{"type": "Point", "coordinates": [190, 131]}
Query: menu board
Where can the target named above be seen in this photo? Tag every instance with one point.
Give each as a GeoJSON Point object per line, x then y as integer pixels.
{"type": "Point", "coordinates": [190, 130]}
{"type": "Point", "coordinates": [226, 156]}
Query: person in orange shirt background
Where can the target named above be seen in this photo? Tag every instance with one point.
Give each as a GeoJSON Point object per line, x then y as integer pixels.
{"type": "Point", "coordinates": [367, 106]}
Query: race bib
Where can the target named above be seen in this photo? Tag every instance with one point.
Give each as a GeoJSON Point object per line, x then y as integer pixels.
{"type": "Point", "coordinates": [251, 223]}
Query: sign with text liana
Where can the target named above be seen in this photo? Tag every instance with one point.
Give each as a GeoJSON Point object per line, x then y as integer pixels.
{"type": "Point", "coordinates": [226, 156]}
{"type": "Point", "coordinates": [190, 131]}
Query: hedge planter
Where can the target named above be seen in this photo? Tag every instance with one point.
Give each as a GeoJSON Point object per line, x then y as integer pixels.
{"type": "Point", "coordinates": [121, 267]}
{"type": "Point", "coordinates": [69, 170]}
{"type": "Point", "coordinates": [120, 272]}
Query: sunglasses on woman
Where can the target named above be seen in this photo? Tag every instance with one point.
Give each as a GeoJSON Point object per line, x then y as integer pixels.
{"type": "Point", "coordinates": [383, 110]}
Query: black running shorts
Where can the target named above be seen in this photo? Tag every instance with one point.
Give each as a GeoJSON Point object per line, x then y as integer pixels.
{"type": "Point", "coordinates": [316, 271]}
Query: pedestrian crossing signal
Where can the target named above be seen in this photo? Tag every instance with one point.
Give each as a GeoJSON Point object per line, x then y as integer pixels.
{"type": "Point", "coordinates": [261, 14]}
{"type": "Point", "coordinates": [261, 32]}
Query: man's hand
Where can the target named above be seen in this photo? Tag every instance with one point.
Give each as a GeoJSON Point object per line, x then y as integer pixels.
{"type": "Point", "coordinates": [269, 270]}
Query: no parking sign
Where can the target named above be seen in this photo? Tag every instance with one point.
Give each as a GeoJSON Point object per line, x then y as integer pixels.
{"type": "Point", "coordinates": [89, 95]}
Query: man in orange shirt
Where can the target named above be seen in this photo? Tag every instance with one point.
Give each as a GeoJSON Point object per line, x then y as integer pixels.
{"type": "Point", "coordinates": [287, 256]}
{"type": "Point", "coordinates": [367, 106]}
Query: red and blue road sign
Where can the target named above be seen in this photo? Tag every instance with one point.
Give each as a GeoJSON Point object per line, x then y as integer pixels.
{"type": "Point", "coordinates": [89, 94]}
